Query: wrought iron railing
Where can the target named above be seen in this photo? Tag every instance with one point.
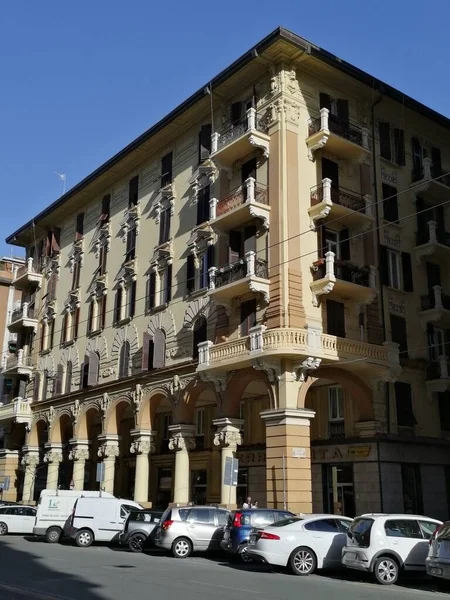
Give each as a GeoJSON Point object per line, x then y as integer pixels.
{"type": "Point", "coordinates": [239, 196]}
{"type": "Point", "coordinates": [235, 130]}
{"type": "Point", "coordinates": [238, 270]}
{"type": "Point", "coordinates": [338, 126]}
{"type": "Point", "coordinates": [341, 196]}
{"type": "Point", "coordinates": [336, 429]}
{"type": "Point", "coordinates": [428, 301]}
{"type": "Point", "coordinates": [343, 270]}
{"type": "Point", "coordinates": [20, 313]}
{"type": "Point", "coordinates": [423, 237]}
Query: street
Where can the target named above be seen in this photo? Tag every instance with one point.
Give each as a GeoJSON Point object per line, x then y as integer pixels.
{"type": "Point", "coordinates": [39, 571]}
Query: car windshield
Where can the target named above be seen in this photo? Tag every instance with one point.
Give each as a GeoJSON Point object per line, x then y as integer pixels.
{"type": "Point", "coordinates": [359, 530]}
{"type": "Point", "coordinates": [288, 521]}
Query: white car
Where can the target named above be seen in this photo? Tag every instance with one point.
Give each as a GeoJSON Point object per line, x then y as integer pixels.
{"type": "Point", "coordinates": [303, 543]}
{"type": "Point", "coordinates": [385, 545]}
{"type": "Point", "coordinates": [17, 519]}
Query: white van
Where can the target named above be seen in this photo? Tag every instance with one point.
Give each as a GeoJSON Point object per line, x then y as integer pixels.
{"type": "Point", "coordinates": [55, 507]}
{"type": "Point", "coordinates": [99, 519]}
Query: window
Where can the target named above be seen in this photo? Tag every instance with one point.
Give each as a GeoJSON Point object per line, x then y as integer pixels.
{"type": "Point", "coordinates": [160, 287]}
{"type": "Point", "coordinates": [47, 335]}
{"type": "Point", "coordinates": [190, 274]}
{"type": "Point", "coordinates": [390, 203]}
{"type": "Point", "coordinates": [202, 515]}
{"type": "Point", "coordinates": [335, 318]}
{"type": "Point", "coordinates": [248, 316]}
{"type": "Point", "coordinates": [131, 244]}
{"type": "Point", "coordinates": [164, 225]}
{"type": "Point", "coordinates": [198, 278]}
{"type": "Point", "coordinates": [51, 287]}
{"type": "Point", "coordinates": [263, 518]}
{"type": "Point", "coordinates": [102, 258]}
{"type": "Point", "coordinates": [79, 229]}
{"type": "Point", "coordinates": [133, 191]}
{"type": "Point", "coordinates": [124, 360]}
{"type": "Point", "coordinates": [338, 108]}
{"type": "Point", "coordinates": [394, 269]}
{"type": "Point", "coordinates": [203, 196]}
{"type": "Point", "coordinates": [166, 285]}
{"type": "Point", "coordinates": [338, 242]}
{"type": "Point", "coordinates": [200, 335]}
{"type": "Point", "coordinates": [385, 140]}
{"type": "Point", "coordinates": [204, 142]}
{"type": "Point", "coordinates": [166, 169]}
{"type": "Point", "coordinates": [36, 387]}
{"type": "Point", "coordinates": [45, 385]}
{"type": "Point", "coordinates": [76, 275]}
{"type": "Point", "coordinates": [438, 340]}
{"type": "Point", "coordinates": [154, 350]}
{"type": "Point", "coordinates": [58, 381]}
{"type": "Point", "coordinates": [407, 272]}
{"type": "Point", "coordinates": [324, 526]}
{"type": "Point", "coordinates": [404, 528]}
{"type": "Point", "coordinates": [97, 314]}
{"type": "Point", "coordinates": [148, 350]}
{"type": "Point", "coordinates": [200, 421]}
{"type": "Point", "coordinates": [70, 325]}
{"type": "Point", "coordinates": [392, 143]}
{"type": "Point", "coordinates": [336, 403]}
{"type": "Point", "coordinates": [398, 333]}
{"type": "Point", "coordinates": [167, 424]}
{"type": "Point", "coordinates": [68, 381]}
{"type": "Point", "coordinates": [403, 403]}
{"type": "Point", "coordinates": [222, 517]}
{"type": "Point", "coordinates": [91, 369]}
{"type": "Point", "coordinates": [125, 302]}
{"type": "Point", "coordinates": [391, 274]}
{"type": "Point", "coordinates": [106, 208]}
{"type": "Point", "coordinates": [444, 410]}
{"type": "Point", "coordinates": [417, 159]}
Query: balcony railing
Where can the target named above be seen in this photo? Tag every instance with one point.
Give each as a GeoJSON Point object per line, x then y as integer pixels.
{"type": "Point", "coordinates": [426, 171]}
{"type": "Point", "coordinates": [439, 369]}
{"type": "Point", "coordinates": [31, 266]}
{"type": "Point", "coordinates": [432, 236]}
{"type": "Point", "coordinates": [16, 360]}
{"type": "Point", "coordinates": [345, 271]}
{"type": "Point", "coordinates": [24, 312]}
{"type": "Point", "coordinates": [336, 429]}
{"type": "Point", "coordinates": [435, 299]}
{"type": "Point", "coordinates": [340, 127]}
{"type": "Point", "coordinates": [247, 193]}
{"type": "Point", "coordinates": [330, 194]}
{"type": "Point", "coordinates": [250, 265]}
{"type": "Point", "coordinates": [249, 122]}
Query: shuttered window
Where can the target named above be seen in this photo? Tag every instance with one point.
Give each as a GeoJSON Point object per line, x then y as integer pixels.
{"type": "Point", "coordinates": [59, 380]}
{"type": "Point", "coordinates": [390, 203]}
{"type": "Point", "coordinates": [335, 318]}
{"type": "Point", "coordinates": [79, 228]}
{"type": "Point", "coordinates": [166, 169]}
{"type": "Point", "coordinates": [407, 272]}
{"type": "Point", "coordinates": [93, 369]}
{"type": "Point", "coordinates": [124, 360]}
{"type": "Point", "coordinates": [403, 402]}
{"type": "Point", "coordinates": [384, 130]}
{"type": "Point", "coordinates": [159, 349]}
{"type": "Point", "coordinates": [399, 146]}
{"type": "Point", "coordinates": [68, 381]}
{"type": "Point", "coordinates": [164, 226]}
{"type": "Point", "coordinates": [190, 273]}
{"type": "Point", "coordinates": [118, 304]}
{"type": "Point", "coordinates": [204, 142]}
{"type": "Point", "coordinates": [200, 335]}
{"type": "Point", "coordinates": [203, 197]}
{"type": "Point", "coordinates": [133, 191]}
{"type": "Point", "coordinates": [131, 244]}
{"type": "Point", "coordinates": [248, 316]}
{"type": "Point", "coordinates": [147, 352]}
{"type": "Point", "coordinates": [106, 208]}
{"type": "Point", "coordinates": [398, 333]}
{"type": "Point", "coordinates": [151, 290]}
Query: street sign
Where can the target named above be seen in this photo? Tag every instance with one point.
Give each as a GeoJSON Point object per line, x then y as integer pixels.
{"type": "Point", "coordinates": [100, 472]}
{"type": "Point", "coordinates": [230, 477]}
{"type": "Point", "coordinates": [6, 482]}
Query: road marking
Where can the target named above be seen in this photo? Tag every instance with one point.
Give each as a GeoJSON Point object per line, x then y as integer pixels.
{"type": "Point", "coordinates": [30, 593]}
{"type": "Point", "coordinates": [225, 587]}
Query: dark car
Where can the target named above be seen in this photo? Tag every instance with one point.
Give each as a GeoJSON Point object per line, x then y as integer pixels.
{"type": "Point", "coordinates": [241, 522]}
{"type": "Point", "coordinates": [139, 529]}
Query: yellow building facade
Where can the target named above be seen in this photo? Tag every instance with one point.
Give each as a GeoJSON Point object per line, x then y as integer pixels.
{"type": "Point", "coordinates": [261, 276]}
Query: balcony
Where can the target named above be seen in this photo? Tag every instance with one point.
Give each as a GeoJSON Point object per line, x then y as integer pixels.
{"type": "Point", "coordinates": [354, 210]}
{"type": "Point", "coordinates": [336, 429]}
{"type": "Point", "coordinates": [343, 279]}
{"type": "Point", "coordinates": [435, 309]}
{"type": "Point", "coordinates": [248, 201]}
{"type": "Point", "coordinates": [17, 364]}
{"type": "Point", "coordinates": [340, 137]}
{"type": "Point", "coordinates": [239, 139]}
{"type": "Point", "coordinates": [297, 345]}
{"type": "Point", "coordinates": [23, 317]}
{"type": "Point", "coordinates": [18, 410]}
{"type": "Point", "coordinates": [438, 376]}
{"type": "Point", "coordinates": [434, 181]}
{"type": "Point", "coordinates": [433, 243]}
{"type": "Point", "coordinates": [28, 276]}
{"type": "Point", "coordinates": [248, 274]}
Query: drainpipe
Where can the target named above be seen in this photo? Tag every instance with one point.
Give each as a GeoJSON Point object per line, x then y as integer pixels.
{"type": "Point", "coordinates": [377, 220]}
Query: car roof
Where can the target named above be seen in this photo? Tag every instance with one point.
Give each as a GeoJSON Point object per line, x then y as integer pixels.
{"type": "Point", "coordinates": [306, 517]}
{"type": "Point", "coordinates": [396, 516]}
{"type": "Point", "coordinates": [277, 510]}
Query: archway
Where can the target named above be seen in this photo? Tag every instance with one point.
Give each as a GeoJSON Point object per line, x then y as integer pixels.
{"type": "Point", "coordinates": [38, 437]}
{"type": "Point", "coordinates": [120, 421]}
{"type": "Point", "coordinates": [61, 433]}
{"type": "Point", "coordinates": [89, 428]}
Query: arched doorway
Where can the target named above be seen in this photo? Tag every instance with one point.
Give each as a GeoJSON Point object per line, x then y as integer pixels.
{"type": "Point", "coordinates": [120, 422]}
{"type": "Point", "coordinates": [89, 428]}
{"type": "Point", "coordinates": [62, 433]}
{"type": "Point", "coordinates": [38, 437]}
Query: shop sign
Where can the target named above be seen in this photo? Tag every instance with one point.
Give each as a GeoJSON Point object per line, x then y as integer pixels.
{"type": "Point", "coordinates": [251, 458]}
{"type": "Point", "coordinates": [298, 452]}
{"type": "Point", "coordinates": [360, 451]}
{"type": "Point", "coordinates": [338, 453]}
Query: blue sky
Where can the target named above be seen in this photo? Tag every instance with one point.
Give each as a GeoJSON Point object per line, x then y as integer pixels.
{"type": "Point", "coordinates": [79, 80]}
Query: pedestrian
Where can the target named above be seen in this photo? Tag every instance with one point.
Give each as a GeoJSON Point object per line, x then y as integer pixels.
{"type": "Point", "coordinates": [255, 504]}
{"type": "Point", "coordinates": [247, 503]}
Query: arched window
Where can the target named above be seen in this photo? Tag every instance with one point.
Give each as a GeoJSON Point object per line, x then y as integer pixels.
{"type": "Point", "coordinates": [45, 386]}
{"type": "Point", "coordinates": [36, 386]}
{"type": "Point", "coordinates": [91, 370]}
{"type": "Point", "coordinates": [124, 360]}
{"type": "Point", "coordinates": [154, 350]}
{"type": "Point", "coordinates": [58, 385]}
{"type": "Point", "coordinates": [68, 381]}
{"type": "Point", "coordinates": [200, 335]}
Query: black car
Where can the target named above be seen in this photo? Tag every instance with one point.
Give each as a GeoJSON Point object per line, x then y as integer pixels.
{"type": "Point", "coordinates": [139, 529]}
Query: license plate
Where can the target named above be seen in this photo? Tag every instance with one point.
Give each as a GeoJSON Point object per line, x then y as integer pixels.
{"type": "Point", "coordinates": [252, 540]}
{"type": "Point", "coordinates": [350, 555]}
{"type": "Point", "coordinates": [436, 571]}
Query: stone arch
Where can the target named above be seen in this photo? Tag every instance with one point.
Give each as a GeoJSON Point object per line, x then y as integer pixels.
{"type": "Point", "coordinates": [47, 363]}
{"type": "Point", "coordinates": [236, 387]}
{"type": "Point", "coordinates": [39, 430]}
{"type": "Point", "coordinates": [89, 408]}
{"type": "Point", "coordinates": [359, 390]}
{"type": "Point", "coordinates": [165, 321]}
{"type": "Point", "coordinates": [70, 354]}
{"type": "Point", "coordinates": [99, 345]}
{"type": "Point", "coordinates": [129, 334]}
{"type": "Point", "coordinates": [201, 307]}
{"type": "Point", "coordinates": [184, 411]}
{"type": "Point", "coordinates": [149, 405]}
{"type": "Point", "coordinates": [62, 427]}
{"type": "Point", "coordinates": [114, 414]}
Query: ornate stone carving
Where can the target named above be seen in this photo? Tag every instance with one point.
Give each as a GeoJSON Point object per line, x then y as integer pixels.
{"type": "Point", "coordinates": [218, 380]}
{"type": "Point", "coordinates": [30, 460]}
{"type": "Point", "coordinates": [271, 368]}
{"type": "Point", "coordinates": [182, 442]}
{"type": "Point", "coordinates": [228, 437]}
{"type": "Point", "coordinates": [309, 364]}
{"type": "Point", "coordinates": [53, 456]}
{"type": "Point", "coordinates": [105, 403]}
{"type": "Point", "coordinates": [108, 451]}
{"type": "Point", "coordinates": [136, 397]}
{"type": "Point", "coordinates": [256, 141]}
{"type": "Point", "coordinates": [79, 453]}
{"type": "Point", "coordinates": [177, 385]}
{"type": "Point", "coordinates": [142, 447]}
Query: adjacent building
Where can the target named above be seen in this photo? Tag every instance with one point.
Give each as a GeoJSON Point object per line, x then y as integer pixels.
{"type": "Point", "coordinates": [260, 275]}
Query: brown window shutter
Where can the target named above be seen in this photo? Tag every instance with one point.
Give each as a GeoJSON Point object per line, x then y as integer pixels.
{"type": "Point", "coordinates": [58, 380]}
{"type": "Point", "coordinates": [93, 369]}
{"type": "Point", "coordinates": [103, 314]}
{"type": "Point", "coordinates": [64, 329]}
{"type": "Point", "coordinates": [76, 318]}
{"type": "Point", "coordinates": [151, 290]}
{"type": "Point", "coordinates": [68, 383]}
{"type": "Point", "coordinates": [168, 295]}
{"type": "Point", "coordinates": [119, 294]}
{"type": "Point", "coordinates": [407, 272]}
{"type": "Point", "coordinates": [204, 142]}
{"type": "Point", "coordinates": [145, 350]}
{"type": "Point", "coordinates": [37, 380]}
{"type": "Point", "coordinates": [384, 130]}
{"type": "Point", "coordinates": [90, 316]}
{"type": "Point", "coordinates": [52, 333]}
{"type": "Point", "coordinates": [133, 299]}
{"type": "Point", "coordinates": [159, 355]}
{"type": "Point", "coordinates": [22, 388]}
{"type": "Point", "coordinates": [133, 191]}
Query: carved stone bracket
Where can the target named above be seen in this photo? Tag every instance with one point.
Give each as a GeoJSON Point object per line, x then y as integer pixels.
{"type": "Point", "coordinates": [131, 219]}
{"type": "Point", "coordinates": [182, 437]}
{"type": "Point", "coordinates": [79, 453]}
{"type": "Point", "coordinates": [108, 451]}
{"type": "Point", "coordinates": [303, 370]}
{"type": "Point", "coordinates": [228, 433]}
{"type": "Point", "coordinates": [76, 254]}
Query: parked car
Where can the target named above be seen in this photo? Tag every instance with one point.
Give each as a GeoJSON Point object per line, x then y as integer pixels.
{"type": "Point", "coordinates": [385, 545]}
{"type": "Point", "coordinates": [54, 509]}
{"type": "Point", "coordinates": [303, 544]}
{"type": "Point", "coordinates": [140, 529]}
{"type": "Point", "coordinates": [17, 519]}
{"type": "Point", "coordinates": [438, 561]}
{"type": "Point", "coordinates": [188, 529]}
{"type": "Point", "coordinates": [99, 519]}
{"type": "Point", "coordinates": [241, 522]}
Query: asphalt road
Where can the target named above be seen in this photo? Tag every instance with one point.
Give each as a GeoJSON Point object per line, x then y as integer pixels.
{"type": "Point", "coordinates": [39, 571]}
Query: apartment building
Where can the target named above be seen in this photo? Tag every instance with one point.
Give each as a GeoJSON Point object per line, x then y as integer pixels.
{"type": "Point", "coordinates": [264, 280]}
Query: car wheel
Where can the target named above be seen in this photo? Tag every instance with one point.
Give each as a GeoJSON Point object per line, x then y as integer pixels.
{"type": "Point", "coordinates": [243, 554]}
{"type": "Point", "coordinates": [303, 561]}
{"type": "Point", "coordinates": [84, 538]}
{"type": "Point", "coordinates": [53, 534]}
{"type": "Point", "coordinates": [136, 542]}
{"type": "Point", "coordinates": [386, 570]}
{"type": "Point", "coordinates": [181, 548]}
{"type": "Point", "coordinates": [3, 528]}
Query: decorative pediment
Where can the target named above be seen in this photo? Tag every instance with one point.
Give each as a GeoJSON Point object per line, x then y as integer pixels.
{"type": "Point", "coordinates": [128, 271]}
{"type": "Point", "coordinates": [76, 254]}
{"type": "Point", "coordinates": [73, 301]}
{"type": "Point", "coordinates": [205, 174]}
{"type": "Point", "coordinates": [131, 219]}
{"type": "Point", "coordinates": [163, 255]}
{"type": "Point", "coordinates": [165, 198]}
{"type": "Point", "coordinates": [201, 238]}
{"type": "Point", "coordinates": [103, 239]}
{"type": "Point", "coordinates": [52, 265]}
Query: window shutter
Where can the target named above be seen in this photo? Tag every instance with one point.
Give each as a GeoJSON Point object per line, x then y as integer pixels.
{"type": "Point", "coordinates": [390, 203]}
{"type": "Point", "coordinates": [151, 290]}
{"type": "Point", "coordinates": [58, 380]}
{"type": "Point", "coordinates": [321, 235]}
{"type": "Point", "coordinates": [384, 130]}
{"type": "Point", "coordinates": [235, 241]}
{"type": "Point", "coordinates": [90, 317]}
{"type": "Point", "coordinates": [166, 169]}
{"type": "Point", "coordinates": [133, 299]}
{"type": "Point", "coordinates": [335, 318]}
{"type": "Point", "coordinates": [190, 268]}
{"type": "Point", "coordinates": [68, 383]}
{"type": "Point", "coordinates": [37, 380]}
{"type": "Point", "coordinates": [236, 113]}
{"type": "Point", "coordinates": [440, 223]}
{"type": "Point", "coordinates": [79, 226]}
{"type": "Point", "coordinates": [417, 158]}
{"type": "Point", "coordinates": [56, 239]}
{"type": "Point", "coordinates": [399, 146]}
{"type": "Point", "coordinates": [106, 207]}
{"type": "Point", "coordinates": [48, 244]}
{"type": "Point", "coordinates": [325, 101]}
{"type": "Point", "coordinates": [433, 275]}
{"type": "Point", "coordinates": [436, 161]}
{"type": "Point", "coordinates": [345, 244]}
{"type": "Point", "coordinates": [250, 238]}
{"type": "Point", "coordinates": [22, 389]}
{"type": "Point", "coordinates": [159, 352]}
{"type": "Point", "coordinates": [248, 316]}
{"type": "Point", "coordinates": [168, 294]}
{"type": "Point", "coordinates": [342, 110]}
{"type": "Point", "coordinates": [124, 360]}
{"type": "Point", "coordinates": [76, 318]}
{"type": "Point", "coordinates": [383, 266]}
{"type": "Point", "coordinates": [133, 191]}
{"type": "Point", "coordinates": [403, 402]}
{"type": "Point", "coordinates": [118, 305]}
{"type": "Point", "coordinates": [145, 350]}
{"type": "Point", "coordinates": [398, 333]}
{"type": "Point", "coordinates": [93, 369]}
{"type": "Point", "coordinates": [103, 314]}
{"type": "Point", "coordinates": [205, 142]}
{"type": "Point", "coordinates": [52, 333]}
{"type": "Point", "coordinates": [407, 272]}
{"type": "Point", "coordinates": [52, 287]}
{"type": "Point", "coordinates": [64, 336]}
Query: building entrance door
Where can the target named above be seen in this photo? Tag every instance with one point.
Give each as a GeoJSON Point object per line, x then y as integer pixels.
{"type": "Point", "coordinates": [339, 492]}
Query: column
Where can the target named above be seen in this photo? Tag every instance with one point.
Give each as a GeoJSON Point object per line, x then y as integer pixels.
{"type": "Point", "coordinates": [142, 445]}
{"type": "Point", "coordinates": [29, 464]}
{"type": "Point", "coordinates": [108, 451]}
{"type": "Point", "coordinates": [182, 439]}
{"type": "Point", "coordinates": [229, 437]}
{"type": "Point", "coordinates": [53, 457]}
{"type": "Point", "coordinates": [288, 478]}
{"type": "Point", "coordinates": [79, 453]}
